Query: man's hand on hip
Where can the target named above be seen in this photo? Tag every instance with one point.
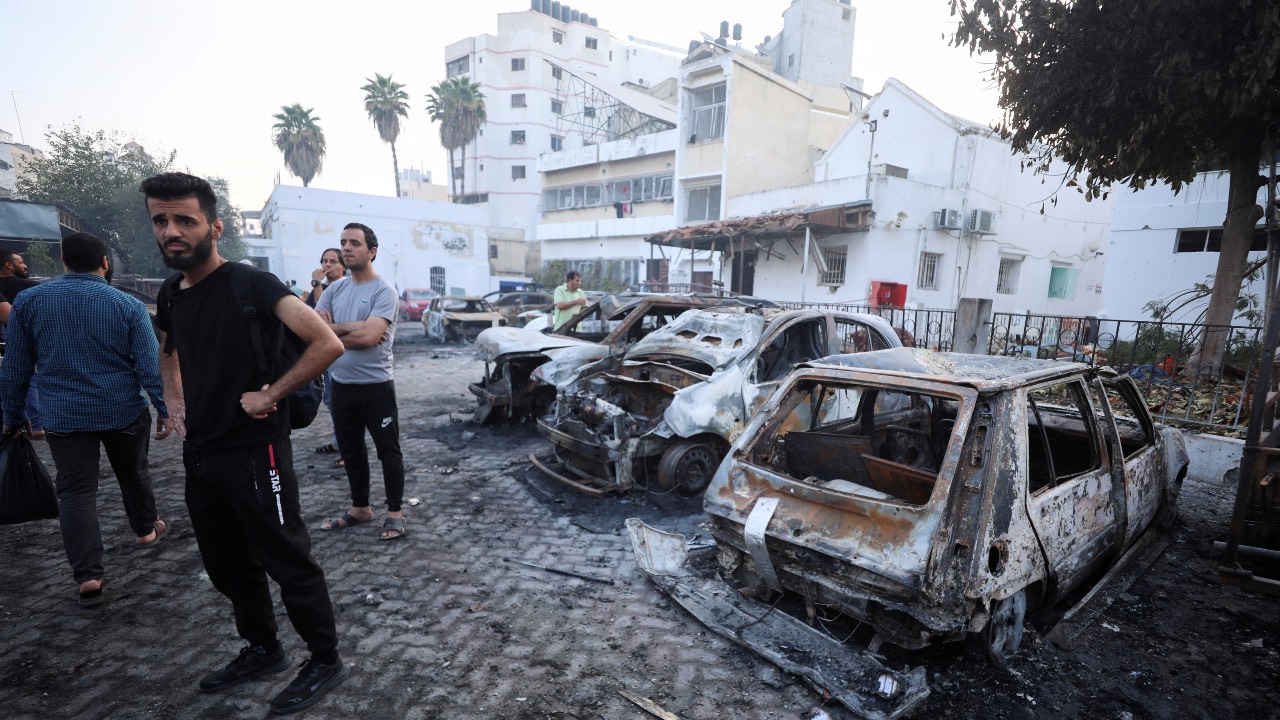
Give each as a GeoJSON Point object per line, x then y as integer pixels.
{"type": "Point", "coordinates": [257, 405]}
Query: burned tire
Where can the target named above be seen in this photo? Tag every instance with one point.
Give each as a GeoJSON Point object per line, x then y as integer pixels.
{"type": "Point", "coordinates": [1003, 633]}
{"type": "Point", "coordinates": [687, 467]}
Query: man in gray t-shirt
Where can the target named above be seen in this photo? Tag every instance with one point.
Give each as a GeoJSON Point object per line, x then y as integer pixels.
{"type": "Point", "coordinates": [362, 311]}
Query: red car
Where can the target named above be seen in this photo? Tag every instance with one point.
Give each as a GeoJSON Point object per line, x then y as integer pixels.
{"type": "Point", "coordinates": [414, 300]}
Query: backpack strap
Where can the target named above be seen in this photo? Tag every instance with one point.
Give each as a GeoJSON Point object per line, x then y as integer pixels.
{"type": "Point", "coordinates": [165, 295]}
{"type": "Point", "coordinates": [243, 296]}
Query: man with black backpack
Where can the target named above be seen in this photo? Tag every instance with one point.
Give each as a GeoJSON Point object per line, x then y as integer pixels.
{"type": "Point", "coordinates": [233, 413]}
{"type": "Point", "coordinates": [362, 310]}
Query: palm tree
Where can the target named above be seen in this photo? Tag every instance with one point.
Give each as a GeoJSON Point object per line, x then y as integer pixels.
{"type": "Point", "coordinates": [301, 140]}
{"type": "Point", "coordinates": [458, 105]}
{"type": "Point", "coordinates": [387, 102]}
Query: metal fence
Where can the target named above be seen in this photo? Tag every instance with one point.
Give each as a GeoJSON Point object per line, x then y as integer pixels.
{"type": "Point", "coordinates": [923, 328]}
{"type": "Point", "coordinates": [1158, 355]}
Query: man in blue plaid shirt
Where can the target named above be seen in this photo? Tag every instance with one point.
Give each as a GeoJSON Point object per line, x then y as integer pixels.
{"type": "Point", "coordinates": [97, 354]}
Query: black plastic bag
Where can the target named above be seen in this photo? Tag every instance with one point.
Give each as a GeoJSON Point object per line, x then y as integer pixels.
{"type": "Point", "coordinates": [26, 492]}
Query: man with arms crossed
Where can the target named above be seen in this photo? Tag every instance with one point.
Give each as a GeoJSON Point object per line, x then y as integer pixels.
{"type": "Point", "coordinates": [361, 310]}
{"type": "Point", "coordinates": [241, 490]}
{"type": "Point", "coordinates": [97, 352]}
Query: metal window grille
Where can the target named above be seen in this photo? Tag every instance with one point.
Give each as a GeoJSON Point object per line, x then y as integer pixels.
{"type": "Point", "coordinates": [708, 113]}
{"type": "Point", "coordinates": [1007, 277]}
{"type": "Point", "coordinates": [836, 259]}
{"type": "Point", "coordinates": [703, 204]}
{"type": "Point", "coordinates": [928, 279]}
{"type": "Point", "coordinates": [437, 280]}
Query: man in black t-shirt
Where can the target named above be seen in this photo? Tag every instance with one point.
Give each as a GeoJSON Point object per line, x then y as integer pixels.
{"type": "Point", "coordinates": [241, 490]}
{"type": "Point", "coordinates": [14, 278]}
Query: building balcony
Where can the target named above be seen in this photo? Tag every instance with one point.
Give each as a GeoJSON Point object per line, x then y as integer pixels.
{"type": "Point", "coordinates": [611, 228]}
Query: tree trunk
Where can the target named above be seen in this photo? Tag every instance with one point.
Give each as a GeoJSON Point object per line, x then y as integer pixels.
{"type": "Point", "coordinates": [453, 178]}
{"type": "Point", "coordinates": [462, 170]}
{"type": "Point", "coordinates": [1237, 235]}
{"type": "Point", "coordinates": [395, 165]}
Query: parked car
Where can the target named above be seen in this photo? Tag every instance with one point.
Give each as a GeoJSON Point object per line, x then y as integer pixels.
{"type": "Point", "coordinates": [513, 305]}
{"type": "Point", "coordinates": [608, 325]}
{"type": "Point", "coordinates": [663, 414]}
{"type": "Point", "coordinates": [453, 317]}
{"type": "Point", "coordinates": [938, 496]}
{"type": "Point", "coordinates": [414, 301]}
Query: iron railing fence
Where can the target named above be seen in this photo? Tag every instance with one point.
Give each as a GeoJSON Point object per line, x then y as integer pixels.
{"type": "Point", "coordinates": [1158, 355]}
{"type": "Point", "coordinates": [917, 327]}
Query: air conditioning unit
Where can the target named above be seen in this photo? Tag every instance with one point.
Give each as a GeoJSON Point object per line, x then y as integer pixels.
{"type": "Point", "coordinates": [982, 222]}
{"type": "Point", "coordinates": [946, 219]}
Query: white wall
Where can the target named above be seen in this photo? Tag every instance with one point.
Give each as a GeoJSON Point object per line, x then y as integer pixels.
{"type": "Point", "coordinates": [1144, 234]}
{"type": "Point", "coordinates": [413, 236]}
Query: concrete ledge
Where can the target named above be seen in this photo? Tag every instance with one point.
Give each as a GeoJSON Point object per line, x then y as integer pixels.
{"type": "Point", "coordinates": [1211, 456]}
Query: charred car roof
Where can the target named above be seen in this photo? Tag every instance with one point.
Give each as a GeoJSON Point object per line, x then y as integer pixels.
{"type": "Point", "coordinates": [987, 373]}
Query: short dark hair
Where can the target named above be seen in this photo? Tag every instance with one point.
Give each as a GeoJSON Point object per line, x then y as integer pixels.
{"type": "Point", "coordinates": [7, 256]}
{"type": "Point", "coordinates": [571, 275]}
{"type": "Point", "coordinates": [335, 251]}
{"type": "Point", "coordinates": [369, 238]}
{"type": "Point", "coordinates": [82, 252]}
{"type": "Point", "coordinates": [177, 186]}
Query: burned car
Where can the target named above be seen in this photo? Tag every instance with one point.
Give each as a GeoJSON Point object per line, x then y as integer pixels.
{"type": "Point", "coordinates": [610, 324]}
{"type": "Point", "coordinates": [663, 414]}
{"type": "Point", "coordinates": [454, 317]}
{"type": "Point", "coordinates": [514, 307]}
{"type": "Point", "coordinates": [939, 496]}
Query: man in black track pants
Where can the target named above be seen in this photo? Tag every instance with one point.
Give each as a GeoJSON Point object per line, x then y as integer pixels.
{"type": "Point", "coordinates": [241, 490]}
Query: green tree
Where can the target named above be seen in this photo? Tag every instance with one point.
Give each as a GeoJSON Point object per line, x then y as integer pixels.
{"type": "Point", "coordinates": [1139, 92]}
{"type": "Point", "coordinates": [458, 105]}
{"type": "Point", "coordinates": [387, 102]}
{"type": "Point", "coordinates": [298, 136]}
{"type": "Point", "coordinates": [95, 176]}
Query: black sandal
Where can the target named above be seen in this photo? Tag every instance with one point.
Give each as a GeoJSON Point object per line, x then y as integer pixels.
{"type": "Point", "coordinates": [327, 449]}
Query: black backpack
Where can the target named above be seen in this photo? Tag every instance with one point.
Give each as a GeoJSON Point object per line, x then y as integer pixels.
{"type": "Point", "coordinates": [303, 404]}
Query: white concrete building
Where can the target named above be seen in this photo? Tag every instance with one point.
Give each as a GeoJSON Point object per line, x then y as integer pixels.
{"type": "Point", "coordinates": [522, 71]}
{"type": "Point", "coordinates": [416, 185]}
{"type": "Point", "coordinates": [927, 208]}
{"type": "Point", "coordinates": [420, 244]}
{"type": "Point", "coordinates": [1162, 244]}
{"type": "Point", "coordinates": [12, 155]}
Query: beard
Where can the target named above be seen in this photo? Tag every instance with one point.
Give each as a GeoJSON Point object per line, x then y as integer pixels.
{"type": "Point", "coordinates": [200, 254]}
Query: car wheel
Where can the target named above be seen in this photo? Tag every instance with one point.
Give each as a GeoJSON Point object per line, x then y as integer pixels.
{"type": "Point", "coordinates": [687, 467]}
{"type": "Point", "coordinates": [1003, 633]}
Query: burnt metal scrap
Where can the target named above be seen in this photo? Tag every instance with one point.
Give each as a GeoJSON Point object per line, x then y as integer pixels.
{"type": "Point", "coordinates": [935, 496]}
{"type": "Point", "coordinates": [663, 414]}
{"type": "Point", "coordinates": [523, 367]}
{"type": "Point", "coordinates": [859, 680]}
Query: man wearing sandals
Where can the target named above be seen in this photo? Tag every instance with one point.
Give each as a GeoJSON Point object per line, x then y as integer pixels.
{"type": "Point", "coordinates": [241, 489]}
{"type": "Point", "coordinates": [97, 354]}
{"type": "Point", "coordinates": [361, 310]}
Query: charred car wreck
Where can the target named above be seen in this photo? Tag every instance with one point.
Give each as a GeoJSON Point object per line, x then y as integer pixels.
{"type": "Point", "coordinates": [608, 326]}
{"type": "Point", "coordinates": [663, 414]}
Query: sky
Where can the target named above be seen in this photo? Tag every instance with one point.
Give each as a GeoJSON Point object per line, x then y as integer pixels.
{"type": "Point", "coordinates": [204, 79]}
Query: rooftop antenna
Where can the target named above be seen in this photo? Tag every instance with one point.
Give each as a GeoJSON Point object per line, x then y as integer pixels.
{"type": "Point", "coordinates": [21, 135]}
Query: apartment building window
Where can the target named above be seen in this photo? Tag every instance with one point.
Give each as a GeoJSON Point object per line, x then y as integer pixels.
{"type": "Point", "coordinates": [556, 72]}
{"type": "Point", "coordinates": [928, 279]}
{"type": "Point", "coordinates": [1007, 276]}
{"type": "Point", "coordinates": [517, 172]}
{"type": "Point", "coordinates": [517, 64]}
{"type": "Point", "coordinates": [557, 107]}
{"type": "Point", "coordinates": [437, 279]}
{"type": "Point", "coordinates": [1211, 241]}
{"type": "Point", "coordinates": [708, 113]}
{"type": "Point", "coordinates": [461, 66]}
{"type": "Point", "coordinates": [835, 259]}
{"type": "Point", "coordinates": [493, 251]}
{"type": "Point", "coordinates": [588, 111]}
{"type": "Point", "coordinates": [517, 100]}
{"type": "Point", "coordinates": [591, 43]}
{"type": "Point", "coordinates": [557, 143]}
{"type": "Point", "coordinates": [557, 37]}
{"type": "Point", "coordinates": [517, 137]}
{"type": "Point", "coordinates": [702, 204]}
{"type": "Point", "coordinates": [1062, 282]}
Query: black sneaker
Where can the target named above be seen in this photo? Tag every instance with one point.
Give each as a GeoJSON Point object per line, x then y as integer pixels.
{"type": "Point", "coordinates": [254, 661]}
{"type": "Point", "coordinates": [313, 681]}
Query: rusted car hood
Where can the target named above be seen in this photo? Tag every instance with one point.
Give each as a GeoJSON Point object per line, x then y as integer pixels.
{"type": "Point", "coordinates": [499, 341]}
{"type": "Point", "coordinates": [717, 339]}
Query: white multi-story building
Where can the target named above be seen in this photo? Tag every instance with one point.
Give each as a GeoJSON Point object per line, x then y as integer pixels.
{"type": "Point", "coordinates": [526, 72]}
{"type": "Point", "coordinates": [12, 155]}
{"type": "Point", "coordinates": [416, 184]}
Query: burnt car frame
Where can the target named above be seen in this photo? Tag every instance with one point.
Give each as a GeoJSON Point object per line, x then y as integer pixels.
{"type": "Point", "coordinates": [456, 317]}
{"type": "Point", "coordinates": [511, 355]}
{"type": "Point", "coordinates": [511, 305]}
{"type": "Point", "coordinates": [663, 414]}
{"type": "Point", "coordinates": [942, 496]}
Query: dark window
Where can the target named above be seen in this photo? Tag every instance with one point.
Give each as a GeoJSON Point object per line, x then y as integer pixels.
{"type": "Point", "coordinates": [556, 72]}
{"type": "Point", "coordinates": [557, 143]}
{"type": "Point", "coordinates": [517, 172]}
{"type": "Point", "coordinates": [588, 111]}
{"type": "Point", "coordinates": [591, 43]}
{"type": "Point", "coordinates": [1211, 241]}
{"type": "Point", "coordinates": [517, 137]}
{"type": "Point", "coordinates": [493, 252]}
{"type": "Point", "coordinates": [557, 37]}
{"type": "Point", "coordinates": [517, 100]}
{"type": "Point", "coordinates": [557, 107]}
{"type": "Point", "coordinates": [517, 64]}
{"type": "Point", "coordinates": [457, 67]}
